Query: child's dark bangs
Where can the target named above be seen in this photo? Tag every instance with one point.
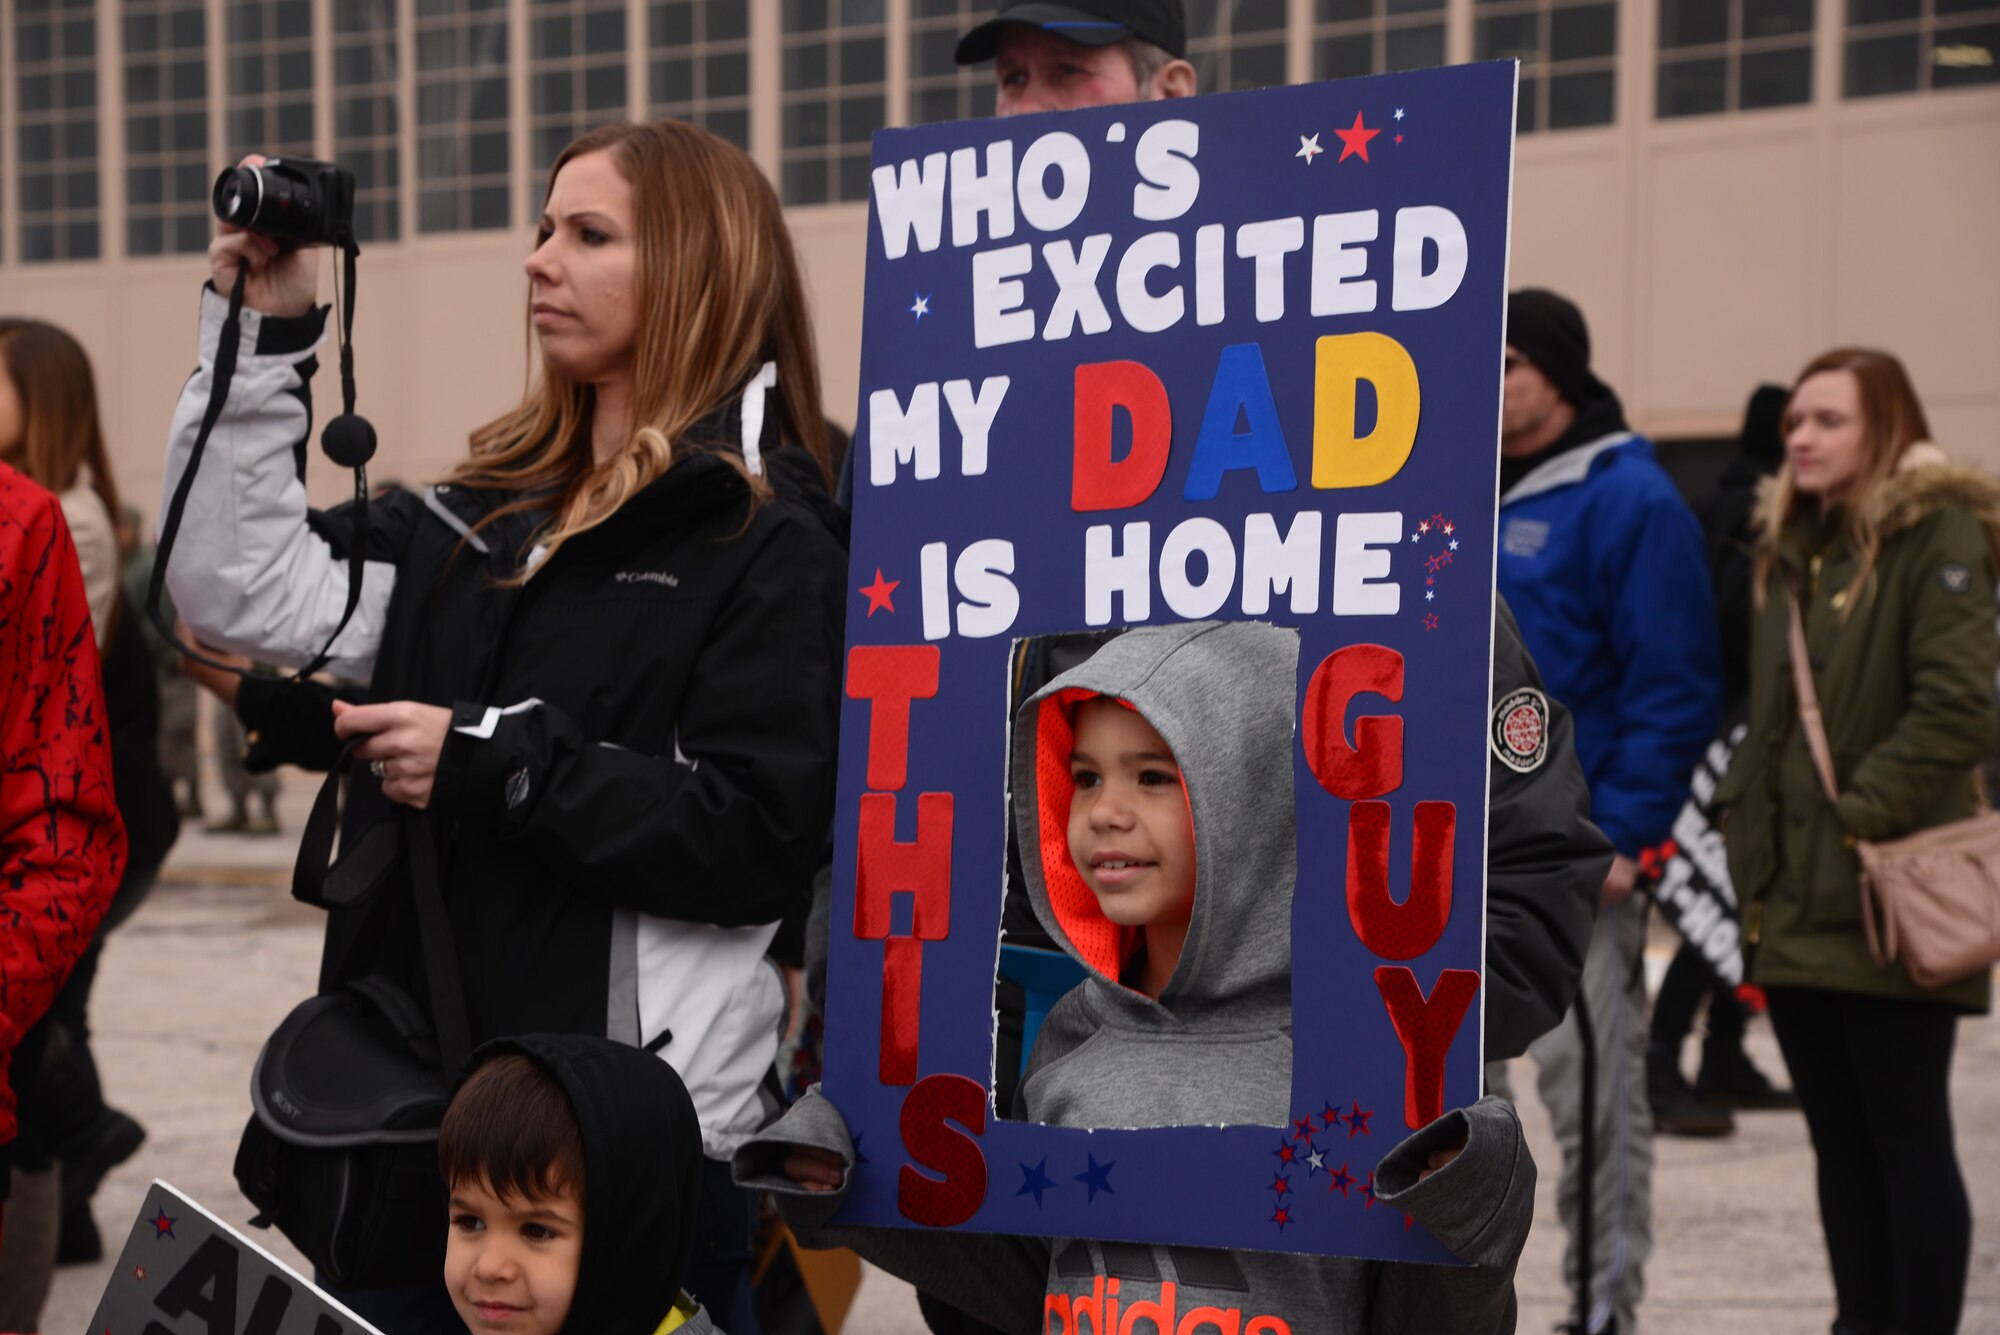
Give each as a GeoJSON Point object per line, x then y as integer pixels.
{"type": "Point", "coordinates": [511, 1126]}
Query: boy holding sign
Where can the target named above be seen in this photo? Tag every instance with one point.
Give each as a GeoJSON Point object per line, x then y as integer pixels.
{"type": "Point", "coordinates": [1153, 791]}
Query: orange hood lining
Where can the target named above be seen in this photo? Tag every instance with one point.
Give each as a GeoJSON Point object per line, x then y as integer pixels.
{"type": "Point", "coordinates": [1098, 942]}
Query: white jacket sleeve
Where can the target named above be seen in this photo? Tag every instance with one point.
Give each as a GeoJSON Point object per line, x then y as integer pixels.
{"type": "Point", "coordinates": [246, 573]}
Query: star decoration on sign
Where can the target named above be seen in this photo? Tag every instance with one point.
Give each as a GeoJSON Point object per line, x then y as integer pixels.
{"type": "Point", "coordinates": [878, 593]}
{"type": "Point", "coordinates": [1281, 1217]}
{"type": "Point", "coordinates": [1097, 1178]}
{"type": "Point", "coordinates": [1280, 1184]}
{"type": "Point", "coordinates": [1315, 1161]}
{"type": "Point", "coordinates": [1340, 1181]}
{"type": "Point", "coordinates": [1309, 149]}
{"type": "Point", "coordinates": [1399, 113]}
{"type": "Point", "coordinates": [1035, 1181]}
{"type": "Point", "coordinates": [1368, 1191]}
{"type": "Point", "coordinates": [921, 306]}
{"type": "Point", "coordinates": [1330, 1115]}
{"type": "Point", "coordinates": [1440, 530]}
{"type": "Point", "coordinates": [1357, 1122]}
{"type": "Point", "coordinates": [1354, 140]}
{"type": "Point", "coordinates": [1302, 1127]}
{"type": "Point", "coordinates": [163, 1227]}
{"type": "Point", "coordinates": [1286, 1153]}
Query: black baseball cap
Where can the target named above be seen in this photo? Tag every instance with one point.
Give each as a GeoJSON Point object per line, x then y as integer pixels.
{"type": "Point", "coordinates": [1085, 22]}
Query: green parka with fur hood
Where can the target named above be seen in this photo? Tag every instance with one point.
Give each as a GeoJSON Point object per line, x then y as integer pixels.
{"type": "Point", "coordinates": [1905, 677]}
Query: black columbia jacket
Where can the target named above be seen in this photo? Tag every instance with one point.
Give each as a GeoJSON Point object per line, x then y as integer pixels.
{"type": "Point", "coordinates": [639, 777]}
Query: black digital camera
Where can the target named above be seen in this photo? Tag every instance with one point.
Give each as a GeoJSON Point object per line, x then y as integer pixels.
{"type": "Point", "coordinates": [295, 201]}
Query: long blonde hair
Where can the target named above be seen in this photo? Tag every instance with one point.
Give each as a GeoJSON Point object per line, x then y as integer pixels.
{"type": "Point", "coordinates": [1892, 420]}
{"type": "Point", "coordinates": [720, 294]}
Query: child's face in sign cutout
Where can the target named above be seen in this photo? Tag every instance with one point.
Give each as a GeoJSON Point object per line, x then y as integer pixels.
{"type": "Point", "coordinates": [1130, 834]}
{"type": "Point", "coordinates": [511, 1264]}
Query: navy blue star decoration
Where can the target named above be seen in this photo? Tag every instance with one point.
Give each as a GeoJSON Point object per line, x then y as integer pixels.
{"type": "Point", "coordinates": [1097, 1178]}
{"type": "Point", "coordinates": [163, 1226]}
{"type": "Point", "coordinates": [1035, 1181]}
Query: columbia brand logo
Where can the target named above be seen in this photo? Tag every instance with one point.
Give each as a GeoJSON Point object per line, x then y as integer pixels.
{"type": "Point", "coordinates": [648, 577]}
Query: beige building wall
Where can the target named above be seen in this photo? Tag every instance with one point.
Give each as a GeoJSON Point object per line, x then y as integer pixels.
{"type": "Point", "coordinates": [1709, 253]}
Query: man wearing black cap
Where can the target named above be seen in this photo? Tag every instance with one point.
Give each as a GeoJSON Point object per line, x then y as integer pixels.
{"type": "Point", "coordinates": [1087, 53]}
{"type": "Point", "coordinates": [1604, 565]}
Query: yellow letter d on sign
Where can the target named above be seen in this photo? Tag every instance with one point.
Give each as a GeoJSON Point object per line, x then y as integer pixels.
{"type": "Point", "coordinates": [1340, 363]}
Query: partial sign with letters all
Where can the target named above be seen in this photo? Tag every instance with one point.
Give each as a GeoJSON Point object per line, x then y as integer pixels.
{"type": "Point", "coordinates": [185, 1272]}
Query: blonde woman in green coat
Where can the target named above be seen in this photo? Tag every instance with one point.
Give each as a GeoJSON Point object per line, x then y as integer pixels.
{"type": "Point", "coordinates": [1890, 552]}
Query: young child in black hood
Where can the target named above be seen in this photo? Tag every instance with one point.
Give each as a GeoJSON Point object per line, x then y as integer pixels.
{"type": "Point", "coordinates": [575, 1168]}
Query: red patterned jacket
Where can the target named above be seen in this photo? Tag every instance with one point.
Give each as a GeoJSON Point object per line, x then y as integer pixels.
{"type": "Point", "coordinates": [62, 845]}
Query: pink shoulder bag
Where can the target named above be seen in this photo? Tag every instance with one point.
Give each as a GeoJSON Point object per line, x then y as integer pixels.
{"type": "Point", "coordinates": [1937, 892]}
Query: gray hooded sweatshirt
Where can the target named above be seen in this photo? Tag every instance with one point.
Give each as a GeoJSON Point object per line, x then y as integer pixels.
{"type": "Point", "coordinates": [1223, 697]}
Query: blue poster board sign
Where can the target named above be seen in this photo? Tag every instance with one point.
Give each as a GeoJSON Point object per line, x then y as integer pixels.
{"type": "Point", "coordinates": [1237, 357]}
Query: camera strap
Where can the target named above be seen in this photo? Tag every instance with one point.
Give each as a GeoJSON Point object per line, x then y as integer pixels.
{"type": "Point", "coordinates": [348, 440]}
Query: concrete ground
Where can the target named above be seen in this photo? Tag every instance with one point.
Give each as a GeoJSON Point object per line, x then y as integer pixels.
{"type": "Point", "coordinates": [193, 983]}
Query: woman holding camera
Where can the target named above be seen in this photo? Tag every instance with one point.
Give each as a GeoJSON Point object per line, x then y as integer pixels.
{"type": "Point", "coordinates": [603, 652]}
{"type": "Point", "coordinates": [1889, 555]}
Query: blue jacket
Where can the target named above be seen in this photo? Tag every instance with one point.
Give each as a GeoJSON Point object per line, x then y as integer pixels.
{"type": "Point", "coordinates": [1605, 568]}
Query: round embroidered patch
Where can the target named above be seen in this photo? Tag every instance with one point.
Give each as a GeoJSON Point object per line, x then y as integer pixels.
{"type": "Point", "coordinates": [1954, 578]}
{"type": "Point", "coordinates": [1520, 731]}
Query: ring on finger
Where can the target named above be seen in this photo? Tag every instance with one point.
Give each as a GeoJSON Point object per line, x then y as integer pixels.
{"type": "Point", "coordinates": [379, 768]}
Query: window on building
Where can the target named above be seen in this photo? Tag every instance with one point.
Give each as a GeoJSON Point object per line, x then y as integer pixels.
{"type": "Point", "coordinates": [1913, 46]}
{"type": "Point", "coordinates": [365, 117]}
{"type": "Point", "coordinates": [833, 68]}
{"type": "Point", "coordinates": [576, 78]}
{"type": "Point", "coordinates": [1568, 51]}
{"type": "Point", "coordinates": [1237, 43]}
{"type": "Point", "coordinates": [1733, 55]}
{"type": "Point", "coordinates": [701, 65]}
{"type": "Point", "coordinates": [270, 78]}
{"type": "Point", "coordinates": [55, 61]}
{"type": "Point", "coordinates": [1354, 37]}
{"type": "Point", "coordinates": [167, 171]}
{"type": "Point", "coordinates": [939, 89]}
{"type": "Point", "coordinates": [462, 142]}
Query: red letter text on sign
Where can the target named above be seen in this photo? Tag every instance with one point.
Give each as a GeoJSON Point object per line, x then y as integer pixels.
{"type": "Point", "coordinates": [890, 675]}
{"type": "Point", "coordinates": [884, 867]}
{"type": "Point", "coordinates": [1406, 930]}
{"type": "Point", "coordinates": [902, 1009]}
{"type": "Point", "coordinates": [1373, 766]}
{"type": "Point", "coordinates": [1100, 482]}
{"type": "Point", "coordinates": [1426, 1028]}
{"type": "Point", "coordinates": [943, 1149]}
